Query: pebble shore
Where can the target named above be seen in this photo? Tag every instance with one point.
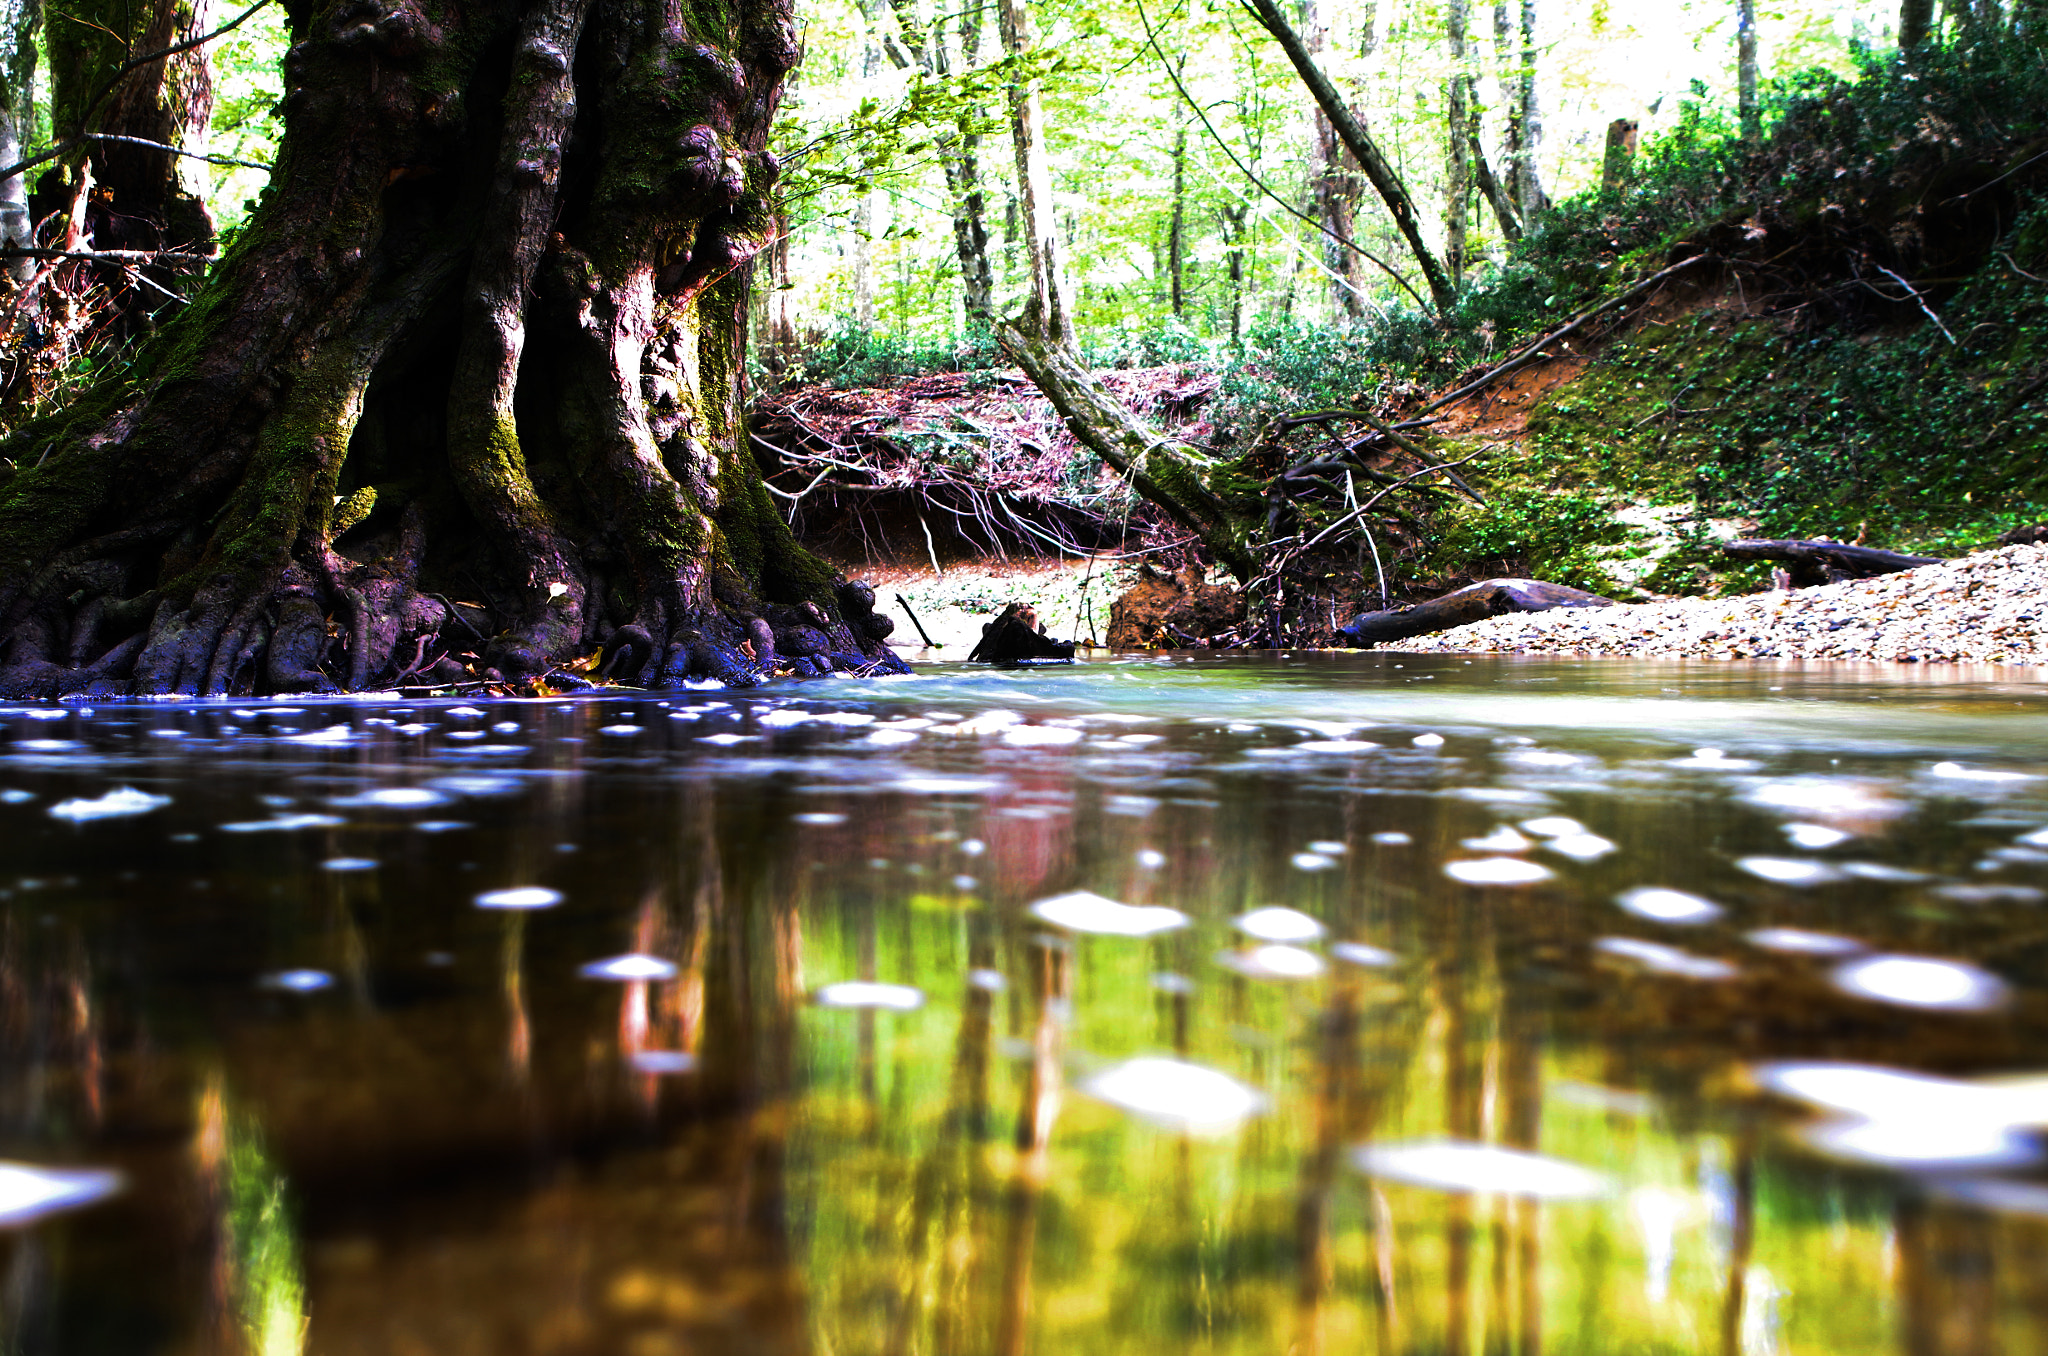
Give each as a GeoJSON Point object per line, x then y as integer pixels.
{"type": "Point", "coordinates": [1987, 608]}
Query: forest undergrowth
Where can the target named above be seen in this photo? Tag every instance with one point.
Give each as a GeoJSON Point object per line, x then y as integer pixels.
{"type": "Point", "coordinates": [1859, 351]}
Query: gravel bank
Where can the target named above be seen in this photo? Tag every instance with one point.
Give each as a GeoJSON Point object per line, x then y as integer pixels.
{"type": "Point", "coordinates": [1987, 608]}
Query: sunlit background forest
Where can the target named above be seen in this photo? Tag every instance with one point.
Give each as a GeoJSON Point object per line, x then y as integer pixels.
{"type": "Point", "coordinates": [1862, 361]}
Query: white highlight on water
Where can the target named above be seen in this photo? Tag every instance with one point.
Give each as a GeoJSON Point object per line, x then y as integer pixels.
{"type": "Point", "coordinates": [29, 1193]}
{"type": "Point", "coordinates": [863, 994]}
{"type": "Point", "coordinates": [1276, 924]}
{"type": "Point", "coordinates": [1497, 871]}
{"type": "Point", "coordinates": [1463, 1166]}
{"type": "Point", "coordinates": [1084, 911]}
{"type": "Point", "coordinates": [1176, 1095]}
{"type": "Point", "coordinates": [1924, 982]}
{"type": "Point", "coordinates": [632, 965]}
{"type": "Point", "coordinates": [520, 897]}
{"type": "Point", "coordinates": [1668, 906]}
{"type": "Point", "coordinates": [116, 804]}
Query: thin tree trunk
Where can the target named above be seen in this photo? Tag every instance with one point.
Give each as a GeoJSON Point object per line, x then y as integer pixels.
{"type": "Point", "coordinates": [1529, 193]}
{"type": "Point", "coordinates": [1361, 145]}
{"type": "Point", "coordinates": [862, 245]}
{"type": "Point", "coordinates": [1045, 307]}
{"type": "Point", "coordinates": [20, 21]}
{"type": "Point", "coordinates": [1916, 19]}
{"type": "Point", "coordinates": [1337, 186]}
{"type": "Point", "coordinates": [1176, 231]}
{"type": "Point", "coordinates": [1745, 71]}
{"type": "Point", "coordinates": [957, 152]}
{"type": "Point", "coordinates": [1495, 193]}
{"type": "Point", "coordinates": [1234, 219]}
{"type": "Point", "coordinates": [970, 204]}
{"type": "Point", "coordinates": [1458, 160]}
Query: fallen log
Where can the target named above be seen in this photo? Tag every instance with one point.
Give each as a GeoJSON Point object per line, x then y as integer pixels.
{"type": "Point", "coordinates": [1826, 562]}
{"type": "Point", "coordinates": [1474, 602]}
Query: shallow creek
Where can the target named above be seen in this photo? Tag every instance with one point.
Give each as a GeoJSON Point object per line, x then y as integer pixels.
{"type": "Point", "coordinates": [1319, 1003]}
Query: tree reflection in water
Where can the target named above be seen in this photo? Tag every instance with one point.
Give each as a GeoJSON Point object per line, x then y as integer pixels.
{"type": "Point", "coordinates": [464, 1144]}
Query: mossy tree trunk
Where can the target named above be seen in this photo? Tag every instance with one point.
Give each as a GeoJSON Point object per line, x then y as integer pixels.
{"type": "Point", "coordinates": [465, 397]}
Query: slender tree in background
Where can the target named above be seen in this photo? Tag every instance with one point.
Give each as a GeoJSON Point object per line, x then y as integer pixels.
{"type": "Point", "coordinates": [1528, 134]}
{"type": "Point", "coordinates": [1745, 72]}
{"type": "Point", "coordinates": [1458, 139]}
{"type": "Point", "coordinates": [469, 383]}
{"type": "Point", "coordinates": [1046, 311]}
{"type": "Point", "coordinates": [1177, 223]}
{"type": "Point", "coordinates": [1337, 185]}
{"type": "Point", "coordinates": [1916, 18]}
{"type": "Point", "coordinates": [958, 149]}
{"type": "Point", "coordinates": [20, 21]}
{"type": "Point", "coordinates": [1351, 128]}
{"type": "Point", "coordinates": [862, 244]}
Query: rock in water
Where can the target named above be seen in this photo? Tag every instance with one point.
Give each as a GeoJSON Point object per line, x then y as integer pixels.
{"type": "Point", "coordinates": [1474, 602]}
{"type": "Point", "coordinates": [1016, 635]}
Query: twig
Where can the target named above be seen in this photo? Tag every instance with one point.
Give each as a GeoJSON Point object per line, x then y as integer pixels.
{"type": "Point", "coordinates": [108, 256]}
{"type": "Point", "coordinates": [930, 549]}
{"type": "Point", "coordinates": [905, 604]}
{"type": "Point", "coordinates": [1914, 293]}
{"type": "Point", "coordinates": [189, 155]}
{"type": "Point", "coordinates": [1360, 511]}
{"type": "Point", "coordinates": [2009, 263]}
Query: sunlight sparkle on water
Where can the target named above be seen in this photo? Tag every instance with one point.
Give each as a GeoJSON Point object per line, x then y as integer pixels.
{"type": "Point", "coordinates": [297, 981]}
{"type": "Point", "coordinates": [1923, 1142]}
{"type": "Point", "coordinates": [520, 897]}
{"type": "Point", "coordinates": [1358, 953]}
{"type": "Point", "coordinates": [1502, 839]}
{"type": "Point", "coordinates": [349, 864]}
{"type": "Point", "coordinates": [116, 804]}
{"type": "Point", "coordinates": [1789, 870]}
{"type": "Point", "coordinates": [662, 1061]}
{"type": "Point", "coordinates": [1497, 871]}
{"type": "Point", "coordinates": [1272, 961]}
{"type": "Point", "coordinates": [284, 824]}
{"type": "Point", "coordinates": [1799, 942]}
{"type": "Point", "coordinates": [28, 1193]}
{"type": "Point", "coordinates": [1176, 1095]}
{"type": "Point", "coordinates": [1275, 924]}
{"type": "Point", "coordinates": [1462, 1166]}
{"type": "Point", "coordinates": [1923, 982]}
{"type": "Point", "coordinates": [1083, 911]}
{"type": "Point", "coordinates": [863, 994]}
{"type": "Point", "coordinates": [1815, 836]}
{"type": "Point", "coordinates": [391, 798]}
{"type": "Point", "coordinates": [1667, 906]}
{"type": "Point", "coordinates": [1665, 960]}
{"type": "Point", "coordinates": [632, 965]}
{"type": "Point", "coordinates": [1581, 847]}
{"type": "Point", "coordinates": [1312, 861]}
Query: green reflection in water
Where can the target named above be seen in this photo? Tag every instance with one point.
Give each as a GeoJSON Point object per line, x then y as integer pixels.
{"type": "Point", "coordinates": [265, 1280]}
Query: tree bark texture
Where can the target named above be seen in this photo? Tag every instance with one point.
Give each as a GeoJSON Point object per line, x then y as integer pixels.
{"type": "Point", "coordinates": [1338, 188]}
{"type": "Point", "coordinates": [1461, 119]}
{"type": "Point", "coordinates": [1745, 72]}
{"type": "Point", "coordinates": [1529, 193]}
{"type": "Point", "coordinates": [20, 21]}
{"type": "Point", "coordinates": [1351, 128]}
{"type": "Point", "coordinates": [1179, 478]}
{"type": "Point", "coordinates": [1916, 19]}
{"type": "Point", "coordinates": [140, 199]}
{"type": "Point", "coordinates": [1045, 305]}
{"type": "Point", "coordinates": [465, 398]}
{"type": "Point", "coordinates": [1176, 229]}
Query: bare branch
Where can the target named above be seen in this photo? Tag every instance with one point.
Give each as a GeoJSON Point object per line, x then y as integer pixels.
{"type": "Point", "coordinates": [189, 155]}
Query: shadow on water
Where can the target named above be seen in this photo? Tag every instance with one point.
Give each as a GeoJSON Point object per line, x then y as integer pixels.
{"type": "Point", "coordinates": [1373, 1003]}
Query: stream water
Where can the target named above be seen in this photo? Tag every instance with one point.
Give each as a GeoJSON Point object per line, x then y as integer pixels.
{"type": "Point", "coordinates": [1389, 1004]}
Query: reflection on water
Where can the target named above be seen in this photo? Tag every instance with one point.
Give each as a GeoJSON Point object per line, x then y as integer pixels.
{"type": "Point", "coordinates": [1318, 1004]}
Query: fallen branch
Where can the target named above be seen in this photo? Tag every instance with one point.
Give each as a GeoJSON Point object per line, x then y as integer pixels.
{"type": "Point", "coordinates": [1534, 351]}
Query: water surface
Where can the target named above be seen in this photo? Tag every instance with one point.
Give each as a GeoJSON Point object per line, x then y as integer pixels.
{"type": "Point", "coordinates": [1310, 1003]}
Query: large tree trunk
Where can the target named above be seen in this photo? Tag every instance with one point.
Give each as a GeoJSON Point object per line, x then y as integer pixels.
{"type": "Point", "coordinates": [1916, 18]}
{"type": "Point", "coordinates": [473, 370]}
{"type": "Point", "coordinates": [1527, 132]}
{"type": "Point", "coordinates": [20, 20]}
